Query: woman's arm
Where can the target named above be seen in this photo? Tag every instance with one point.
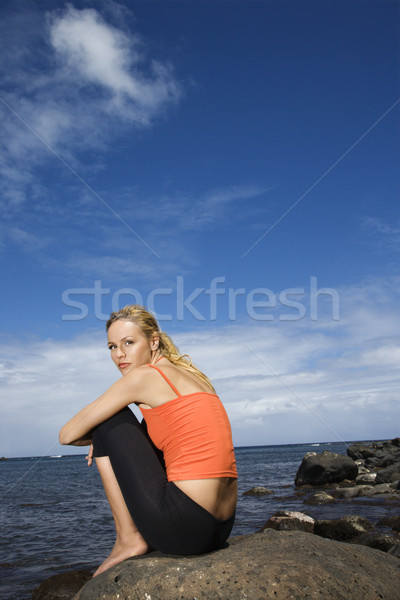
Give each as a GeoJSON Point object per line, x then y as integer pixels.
{"type": "Point", "coordinates": [86, 440]}
{"type": "Point", "coordinates": [123, 392]}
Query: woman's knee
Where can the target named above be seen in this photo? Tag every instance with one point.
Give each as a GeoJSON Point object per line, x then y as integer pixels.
{"type": "Point", "coordinates": [101, 433]}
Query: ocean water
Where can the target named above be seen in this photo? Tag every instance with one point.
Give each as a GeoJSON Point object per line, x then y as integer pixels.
{"type": "Point", "coordinates": [55, 517]}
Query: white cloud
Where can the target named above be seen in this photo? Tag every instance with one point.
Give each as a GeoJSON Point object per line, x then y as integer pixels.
{"type": "Point", "coordinates": [93, 80]}
{"type": "Point", "coordinates": [303, 383]}
{"type": "Point", "coordinates": [97, 53]}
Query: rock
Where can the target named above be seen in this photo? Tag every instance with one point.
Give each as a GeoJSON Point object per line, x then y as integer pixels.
{"type": "Point", "coordinates": [357, 451]}
{"type": "Point", "coordinates": [365, 478]}
{"type": "Point", "coordinates": [395, 550]}
{"type": "Point", "coordinates": [361, 469]}
{"type": "Point", "coordinates": [286, 520]}
{"type": "Point", "coordinates": [372, 462]}
{"type": "Point", "coordinates": [384, 475]}
{"type": "Point", "coordinates": [328, 467]}
{"type": "Point", "coordinates": [376, 454]}
{"type": "Point", "coordinates": [387, 489]}
{"type": "Point", "coordinates": [274, 565]}
{"type": "Point", "coordinates": [396, 524]}
{"type": "Point", "coordinates": [349, 492]}
{"type": "Point", "coordinates": [258, 491]}
{"type": "Point", "coordinates": [382, 488]}
{"type": "Point", "coordinates": [346, 483]}
{"type": "Point", "coordinates": [345, 528]}
{"type": "Point", "coordinates": [62, 586]}
{"type": "Point", "coordinates": [380, 454]}
{"type": "Point", "coordinates": [319, 498]}
{"type": "Point", "coordinates": [393, 522]}
{"type": "Point", "coordinates": [376, 540]}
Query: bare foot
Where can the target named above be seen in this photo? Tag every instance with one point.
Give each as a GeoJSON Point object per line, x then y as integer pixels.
{"type": "Point", "coordinates": [122, 551]}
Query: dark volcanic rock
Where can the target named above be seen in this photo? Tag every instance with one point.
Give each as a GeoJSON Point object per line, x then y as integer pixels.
{"type": "Point", "coordinates": [393, 522]}
{"type": "Point", "coordinates": [319, 498]}
{"type": "Point", "coordinates": [376, 454]}
{"type": "Point", "coordinates": [376, 490]}
{"type": "Point", "coordinates": [385, 475]}
{"type": "Point", "coordinates": [362, 451]}
{"type": "Point", "coordinates": [345, 528]}
{"type": "Point", "coordinates": [395, 550]}
{"type": "Point", "coordinates": [373, 539]}
{"type": "Point", "coordinates": [62, 586]}
{"type": "Point", "coordinates": [351, 492]}
{"type": "Point", "coordinates": [287, 520]}
{"type": "Point", "coordinates": [396, 524]}
{"type": "Point", "coordinates": [258, 491]}
{"type": "Point", "coordinates": [272, 565]}
{"type": "Point", "coordinates": [328, 467]}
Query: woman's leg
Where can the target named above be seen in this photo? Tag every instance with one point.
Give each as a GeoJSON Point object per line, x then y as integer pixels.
{"type": "Point", "coordinates": [129, 542]}
{"type": "Point", "coordinates": [165, 516]}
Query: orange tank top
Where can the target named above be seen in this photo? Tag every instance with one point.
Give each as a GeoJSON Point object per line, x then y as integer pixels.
{"type": "Point", "coordinates": [194, 434]}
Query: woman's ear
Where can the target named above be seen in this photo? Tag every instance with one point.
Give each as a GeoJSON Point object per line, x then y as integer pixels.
{"type": "Point", "coordinates": [155, 342]}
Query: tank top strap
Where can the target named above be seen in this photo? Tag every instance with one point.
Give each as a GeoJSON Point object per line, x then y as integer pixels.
{"type": "Point", "coordinates": [166, 378]}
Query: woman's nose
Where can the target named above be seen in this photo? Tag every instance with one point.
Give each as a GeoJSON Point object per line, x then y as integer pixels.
{"type": "Point", "coordinates": [119, 352]}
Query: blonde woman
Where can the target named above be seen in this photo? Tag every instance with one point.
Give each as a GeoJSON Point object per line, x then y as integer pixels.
{"type": "Point", "coordinates": [171, 481]}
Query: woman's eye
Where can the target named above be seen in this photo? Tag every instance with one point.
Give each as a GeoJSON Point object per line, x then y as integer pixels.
{"type": "Point", "coordinates": [111, 347]}
{"type": "Point", "coordinates": [128, 342]}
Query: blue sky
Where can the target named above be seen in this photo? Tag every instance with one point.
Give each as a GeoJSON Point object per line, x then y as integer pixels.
{"type": "Point", "coordinates": [234, 165]}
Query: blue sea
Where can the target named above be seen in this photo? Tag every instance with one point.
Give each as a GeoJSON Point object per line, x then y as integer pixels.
{"type": "Point", "coordinates": [55, 516]}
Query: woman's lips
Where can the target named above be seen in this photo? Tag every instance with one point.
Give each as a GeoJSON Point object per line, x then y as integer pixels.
{"type": "Point", "coordinates": [123, 365]}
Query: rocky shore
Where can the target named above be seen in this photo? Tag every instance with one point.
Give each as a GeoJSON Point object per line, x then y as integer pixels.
{"type": "Point", "coordinates": [293, 556]}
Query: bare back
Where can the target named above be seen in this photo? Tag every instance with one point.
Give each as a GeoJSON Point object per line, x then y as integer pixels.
{"type": "Point", "coordinates": [217, 495]}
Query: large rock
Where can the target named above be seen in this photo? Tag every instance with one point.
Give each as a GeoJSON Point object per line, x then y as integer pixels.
{"type": "Point", "coordinates": [274, 565]}
{"type": "Point", "coordinates": [328, 467]}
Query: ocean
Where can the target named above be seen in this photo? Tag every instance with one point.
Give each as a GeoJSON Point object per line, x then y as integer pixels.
{"type": "Point", "coordinates": [55, 517]}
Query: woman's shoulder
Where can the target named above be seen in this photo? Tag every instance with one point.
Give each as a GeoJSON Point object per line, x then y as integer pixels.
{"type": "Point", "coordinates": [183, 379]}
{"type": "Point", "coordinates": [140, 375]}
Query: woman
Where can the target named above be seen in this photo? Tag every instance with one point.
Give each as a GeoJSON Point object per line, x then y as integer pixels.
{"type": "Point", "coordinates": [187, 504]}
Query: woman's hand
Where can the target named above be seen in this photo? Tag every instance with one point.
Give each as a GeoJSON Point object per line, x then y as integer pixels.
{"type": "Point", "coordinates": [89, 457]}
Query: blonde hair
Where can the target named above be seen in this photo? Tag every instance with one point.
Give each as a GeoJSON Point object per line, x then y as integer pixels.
{"type": "Point", "coordinates": [148, 324]}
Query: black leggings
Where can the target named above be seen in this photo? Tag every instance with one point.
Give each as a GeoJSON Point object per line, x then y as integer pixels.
{"type": "Point", "coordinates": [167, 518]}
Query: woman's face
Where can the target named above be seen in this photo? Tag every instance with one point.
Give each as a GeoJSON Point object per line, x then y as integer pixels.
{"type": "Point", "coordinates": [129, 346]}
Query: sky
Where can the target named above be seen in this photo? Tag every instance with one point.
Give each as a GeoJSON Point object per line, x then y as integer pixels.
{"type": "Point", "coordinates": [233, 166]}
